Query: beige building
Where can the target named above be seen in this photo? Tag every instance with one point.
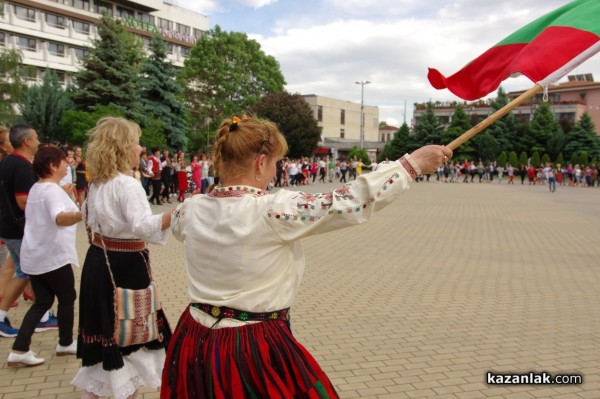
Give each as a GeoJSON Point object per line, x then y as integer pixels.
{"type": "Point", "coordinates": [568, 101]}
{"type": "Point", "coordinates": [56, 34]}
{"type": "Point", "coordinates": [340, 122]}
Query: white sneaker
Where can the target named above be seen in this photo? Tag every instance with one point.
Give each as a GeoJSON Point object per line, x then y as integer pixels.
{"type": "Point", "coordinates": [26, 359]}
{"type": "Point", "coordinates": [66, 350]}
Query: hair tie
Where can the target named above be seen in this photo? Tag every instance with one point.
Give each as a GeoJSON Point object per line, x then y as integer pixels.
{"type": "Point", "coordinates": [234, 124]}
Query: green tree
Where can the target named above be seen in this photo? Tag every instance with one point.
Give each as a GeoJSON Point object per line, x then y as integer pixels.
{"type": "Point", "coordinates": [12, 87]}
{"type": "Point", "coordinates": [295, 120]}
{"type": "Point", "coordinates": [487, 147]}
{"type": "Point", "coordinates": [43, 107]}
{"type": "Point", "coordinates": [225, 74]}
{"type": "Point", "coordinates": [427, 128]}
{"type": "Point", "coordinates": [504, 130]}
{"type": "Point", "coordinates": [523, 159]}
{"type": "Point", "coordinates": [75, 125]}
{"type": "Point", "coordinates": [545, 159]}
{"type": "Point", "coordinates": [110, 74]}
{"type": "Point", "coordinates": [535, 159]}
{"type": "Point", "coordinates": [583, 138]}
{"type": "Point", "coordinates": [512, 159]}
{"type": "Point", "coordinates": [400, 144]}
{"type": "Point", "coordinates": [541, 129]}
{"type": "Point", "coordinates": [583, 158]}
{"type": "Point", "coordinates": [560, 159]}
{"type": "Point", "coordinates": [502, 159]}
{"type": "Point", "coordinates": [459, 124]}
{"type": "Point", "coordinates": [361, 154]}
{"type": "Point", "coordinates": [160, 94]}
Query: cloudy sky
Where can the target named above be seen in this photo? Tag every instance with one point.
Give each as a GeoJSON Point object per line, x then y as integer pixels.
{"type": "Point", "coordinates": [325, 46]}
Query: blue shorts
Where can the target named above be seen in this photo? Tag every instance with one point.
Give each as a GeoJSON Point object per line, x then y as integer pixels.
{"type": "Point", "coordinates": [14, 247]}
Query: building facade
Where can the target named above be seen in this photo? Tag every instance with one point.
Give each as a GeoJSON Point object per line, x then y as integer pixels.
{"type": "Point", "coordinates": [340, 123]}
{"type": "Point", "coordinates": [568, 101]}
{"type": "Point", "coordinates": [56, 34]}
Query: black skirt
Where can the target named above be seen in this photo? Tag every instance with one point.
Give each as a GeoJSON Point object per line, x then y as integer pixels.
{"type": "Point", "coordinates": [95, 338]}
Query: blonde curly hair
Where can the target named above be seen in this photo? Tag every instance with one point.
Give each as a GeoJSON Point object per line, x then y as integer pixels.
{"type": "Point", "coordinates": [109, 150]}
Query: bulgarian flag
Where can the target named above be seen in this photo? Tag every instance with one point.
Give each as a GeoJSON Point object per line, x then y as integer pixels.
{"type": "Point", "coordinates": [544, 50]}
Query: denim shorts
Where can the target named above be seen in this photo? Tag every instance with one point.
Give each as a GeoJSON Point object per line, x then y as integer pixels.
{"type": "Point", "coordinates": [14, 247]}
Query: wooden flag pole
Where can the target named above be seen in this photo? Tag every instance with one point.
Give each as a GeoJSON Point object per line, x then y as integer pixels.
{"type": "Point", "coordinates": [457, 142]}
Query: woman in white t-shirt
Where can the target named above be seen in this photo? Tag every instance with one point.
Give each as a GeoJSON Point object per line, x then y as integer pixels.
{"type": "Point", "coordinates": [47, 253]}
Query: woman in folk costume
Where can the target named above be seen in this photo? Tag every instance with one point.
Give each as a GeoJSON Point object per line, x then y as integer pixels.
{"type": "Point", "coordinates": [120, 224]}
{"type": "Point", "coordinates": [245, 262]}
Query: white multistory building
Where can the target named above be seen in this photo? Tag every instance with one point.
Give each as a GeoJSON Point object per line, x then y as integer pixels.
{"type": "Point", "coordinates": [56, 34]}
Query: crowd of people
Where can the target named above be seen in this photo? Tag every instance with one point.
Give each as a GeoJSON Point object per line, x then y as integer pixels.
{"type": "Point", "coordinates": [548, 173]}
{"type": "Point", "coordinates": [303, 171]}
{"type": "Point", "coordinates": [245, 294]}
{"type": "Point", "coordinates": [163, 175]}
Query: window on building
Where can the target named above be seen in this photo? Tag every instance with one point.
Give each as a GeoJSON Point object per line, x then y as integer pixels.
{"type": "Point", "coordinates": [145, 42]}
{"type": "Point", "coordinates": [26, 43]}
{"type": "Point", "coordinates": [165, 23]}
{"type": "Point", "coordinates": [343, 117]}
{"type": "Point", "coordinates": [320, 113]}
{"type": "Point", "coordinates": [389, 136]}
{"type": "Point", "coordinates": [198, 33]}
{"type": "Point", "coordinates": [25, 13]}
{"type": "Point", "coordinates": [81, 52]}
{"type": "Point", "coordinates": [185, 52]}
{"type": "Point", "coordinates": [65, 2]}
{"type": "Point", "coordinates": [56, 21]}
{"type": "Point", "coordinates": [101, 7]}
{"type": "Point", "coordinates": [123, 12]}
{"type": "Point", "coordinates": [81, 27]}
{"type": "Point", "coordinates": [2, 39]}
{"type": "Point", "coordinates": [382, 137]}
{"type": "Point", "coordinates": [142, 16]}
{"type": "Point", "coordinates": [342, 133]}
{"type": "Point", "coordinates": [184, 29]}
{"type": "Point", "coordinates": [56, 49]}
{"type": "Point", "coordinates": [81, 4]}
{"type": "Point", "coordinates": [170, 48]}
{"type": "Point", "coordinates": [60, 75]}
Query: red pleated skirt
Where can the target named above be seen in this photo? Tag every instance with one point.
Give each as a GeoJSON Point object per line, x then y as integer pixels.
{"type": "Point", "coordinates": [260, 360]}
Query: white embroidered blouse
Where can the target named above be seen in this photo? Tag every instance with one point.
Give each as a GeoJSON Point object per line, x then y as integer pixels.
{"type": "Point", "coordinates": [242, 245]}
{"type": "Point", "coordinates": [119, 209]}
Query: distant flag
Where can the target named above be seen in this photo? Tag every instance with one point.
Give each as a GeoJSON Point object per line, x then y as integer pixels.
{"type": "Point", "coordinates": [544, 50]}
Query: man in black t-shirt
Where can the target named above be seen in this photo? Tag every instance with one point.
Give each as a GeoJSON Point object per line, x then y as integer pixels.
{"type": "Point", "coordinates": [17, 178]}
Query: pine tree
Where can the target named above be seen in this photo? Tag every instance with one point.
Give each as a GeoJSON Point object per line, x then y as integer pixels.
{"type": "Point", "coordinates": [427, 128]}
{"type": "Point", "coordinates": [400, 144]}
{"type": "Point", "coordinates": [504, 130]}
{"type": "Point", "coordinates": [541, 129]}
{"type": "Point", "coordinates": [523, 159]}
{"type": "Point", "coordinates": [459, 124]}
{"type": "Point", "coordinates": [110, 73]}
{"type": "Point", "coordinates": [43, 107]}
{"type": "Point", "coordinates": [512, 159]}
{"type": "Point", "coordinates": [160, 94]}
{"type": "Point", "coordinates": [583, 138]}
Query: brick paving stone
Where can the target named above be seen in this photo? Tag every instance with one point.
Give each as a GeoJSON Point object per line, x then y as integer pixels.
{"type": "Point", "coordinates": [447, 283]}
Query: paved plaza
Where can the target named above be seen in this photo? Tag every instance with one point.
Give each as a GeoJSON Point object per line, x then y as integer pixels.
{"type": "Point", "coordinates": [449, 282]}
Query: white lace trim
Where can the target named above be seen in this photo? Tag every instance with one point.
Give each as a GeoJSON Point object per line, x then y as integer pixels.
{"type": "Point", "coordinates": [142, 368]}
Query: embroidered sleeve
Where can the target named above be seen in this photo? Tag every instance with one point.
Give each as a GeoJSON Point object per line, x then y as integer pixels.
{"type": "Point", "coordinates": [138, 214]}
{"type": "Point", "coordinates": [296, 215]}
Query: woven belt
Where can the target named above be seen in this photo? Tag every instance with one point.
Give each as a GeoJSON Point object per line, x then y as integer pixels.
{"type": "Point", "coordinates": [224, 312]}
{"type": "Point", "coordinates": [118, 244]}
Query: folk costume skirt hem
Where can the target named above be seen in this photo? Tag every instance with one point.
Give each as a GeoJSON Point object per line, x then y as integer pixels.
{"type": "Point", "coordinates": [259, 360]}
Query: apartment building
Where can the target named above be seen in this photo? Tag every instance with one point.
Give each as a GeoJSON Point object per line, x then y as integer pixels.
{"type": "Point", "coordinates": [340, 122]}
{"type": "Point", "coordinates": [56, 34]}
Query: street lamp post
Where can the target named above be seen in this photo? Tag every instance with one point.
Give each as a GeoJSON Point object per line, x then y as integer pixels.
{"type": "Point", "coordinates": [362, 84]}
